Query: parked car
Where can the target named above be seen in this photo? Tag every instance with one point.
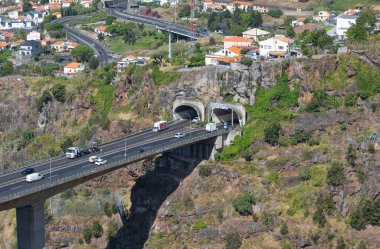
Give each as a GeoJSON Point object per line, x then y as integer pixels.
{"type": "Point", "coordinates": [92, 159]}
{"type": "Point", "coordinates": [100, 161]}
{"type": "Point", "coordinates": [179, 135]}
{"type": "Point", "coordinates": [27, 171]}
{"type": "Point", "coordinates": [34, 177]}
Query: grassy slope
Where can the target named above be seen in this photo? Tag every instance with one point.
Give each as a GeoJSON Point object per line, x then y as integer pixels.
{"type": "Point", "coordinates": [344, 4]}
{"type": "Point", "coordinates": [143, 43]}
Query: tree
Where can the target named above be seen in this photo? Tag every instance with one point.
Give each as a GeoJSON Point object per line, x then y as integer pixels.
{"type": "Point", "coordinates": [364, 26]}
{"type": "Point", "coordinates": [6, 68]}
{"type": "Point", "coordinates": [290, 31]}
{"type": "Point", "coordinates": [100, 37]}
{"type": "Point", "coordinates": [246, 61]}
{"type": "Point", "coordinates": [272, 133]}
{"type": "Point", "coordinates": [276, 13]}
{"type": "Point", "coordinates": [97, 229]}
{"type": "Point", "coordinates": [243, 204]}
{"type": "Point", "coordinates": [59, 92]}
{"type": "Point", "coordinates": [255, 20]}
{"type": "Point", "coordinates": [26, 6]}
{"type": "Point", "coordinates": [335, 175]}
{"type": "Point", "coordinates": [184, 11]}
{"type": "Point", "coordinates": [159, 56]}
{"type": "Point", "coordinates": [110, 20]}
{"type": "Point", "coordinates": [93, 63]}
{"type": "Point", "coordinates": [233, 241]}
{"type": "Point", "coordinates": [82, 53]}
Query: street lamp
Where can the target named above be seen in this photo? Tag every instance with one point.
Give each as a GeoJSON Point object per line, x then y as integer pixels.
{"type": "Point", "coordinates": [51, 209]}
{"type": "Point", "coordinates": [189, 122]}
{"type": "Point", "coordinates": [125, 148]}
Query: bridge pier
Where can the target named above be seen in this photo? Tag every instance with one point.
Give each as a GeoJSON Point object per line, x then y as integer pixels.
{"type": "Point", "coordinates": [30, 226]}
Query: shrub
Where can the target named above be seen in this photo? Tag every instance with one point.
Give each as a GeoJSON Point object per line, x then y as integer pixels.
{"type": "Point", "coordinates": [246, 61]}
{"type": "Point", "coordinates": [351, 156]}
{"type": "Point", "coordinates": [87, 235]}
{"type": "Point", "coordinates": [371, 148]}
{"type": "Point", "coordinates": [367, 212]}
{"type": "Point", "coordinates": [199, 225]}
{"type": "Point", "coordinates": [341, 244]}
{"type": "Point", "coordinates": [313, 141]}
{"type": "Point", "coordinates": [272, 133]}
{"type": "Point", "coordinates": [305, 173]}
{"type": "Point", "coordinates": [336, 175]}
{"type": "Point", "coordinates": [188, 202]}
{"type": "Point", "coordinates": [205, 170]}
{"type": "Point", "coordinates": [243, 204]}
{"type": "Point", "coordinates": [319, 217]}
{"type": "Point", "coordinates": [59, 92]}
{"type": "Point", "coordinates": [286, 246]}
{"type": "Point", "coordinates": [284, 229]}
{"type": "Point", "coordinates": [301, 136]}
{"type": "Point", "coordinates": [233, 241]}
{"type": "Point", "coordinates": [276, 13]}
{"type": "Point", "coordinates": [321, 100]}
{"type": "Point", "coordinates": [107, 209]}
{"type": "Point", "coordinates": [97, 229]}
{"type": "Point", "coordinates": [350, 100]}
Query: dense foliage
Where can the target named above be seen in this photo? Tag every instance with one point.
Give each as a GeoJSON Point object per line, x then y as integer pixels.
{"type": "Point", "coordinates": [243, 204]}
{"type": "Point", "coordinates": [366, 213]}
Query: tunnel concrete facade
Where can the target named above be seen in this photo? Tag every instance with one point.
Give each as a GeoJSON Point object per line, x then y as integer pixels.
{"type": "Point", "coordinates": [197, 105]}
{"type": "Point", "coordinates": [239, 113]}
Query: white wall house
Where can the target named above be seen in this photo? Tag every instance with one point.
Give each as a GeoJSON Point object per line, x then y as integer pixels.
{"type": "Point", "coordinates": [343, 23]}
{"type": "Point", "coordinates": [322, 16]}
{"type": "Point", "coordinates": [73, 68]}
{"type": "Point", "coordinates": [278, 46]}
{"type": "Point", "coordinates": [33, 36]}
{"type": "Point", "coordinates": [238, 4]}
{"type": "Point", "coordinates": [237, 41]}
{"type": "Point", "coordinates": [256, 34]}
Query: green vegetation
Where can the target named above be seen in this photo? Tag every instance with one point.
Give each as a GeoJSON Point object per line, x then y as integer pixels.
{"type": "Point", "coordinates": [276, 13]}
{"type": "Point", "coordinates": [233, 241]}
{"type": "Point", "coordinates": [367, 212]}
{"type": "Point", "coordinates": [94, 17]}
{"type": "Point", "coordinates": [87, 235]}
{"type": "Point", "coordinates": [118, 44]}
{"type": "Point", "coordinates": [322, 101]}
{"type": "Point", "coordinates": [345, 4]}
{"type": "Point", "coordinates": [59, 92]}
{"type": "Point", "coordinates": [97, 229]}
{"type": "Point", "coordinates": [336, 175]}
{"type": "Point", "coordinates": [199, 225]}
{"type": "Point", "coordinates": [284, 229]}
{"type": "Point", "coordinates": [82, 53]}
{"type": "Point", "coordinates": [205, 170]}
{"type": "Point", "coordinates": [243, 204]}
{"type": "Point", "coordinates": [162, 78]}
{"type": "Point", "coordinates": [272, 106]}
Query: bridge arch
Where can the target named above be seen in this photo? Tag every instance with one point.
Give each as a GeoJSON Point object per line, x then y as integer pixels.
{"type": "Point", "coordinates": [185, 108]}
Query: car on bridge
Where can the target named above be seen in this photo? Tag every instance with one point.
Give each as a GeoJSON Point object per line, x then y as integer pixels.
{"type": "Point", "coordinates": [92, 159]}
{"type": "Point", "coordinates": [100, 161]}
{"type": "Point", "coordinates": [179, 135]}
{"type": "Point", "coordinates": [27, 171]}
{"type": "Point", "coordinates": [34, 177]}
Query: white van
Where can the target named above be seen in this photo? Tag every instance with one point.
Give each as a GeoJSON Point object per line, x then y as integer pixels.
{"type": "Point", "coordinates": [34, 177]}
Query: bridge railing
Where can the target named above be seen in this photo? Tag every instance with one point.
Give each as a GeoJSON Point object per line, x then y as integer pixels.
{"type": "Point", "coordinates": [80, 173]}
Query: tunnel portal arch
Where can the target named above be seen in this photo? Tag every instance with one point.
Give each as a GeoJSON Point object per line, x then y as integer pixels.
{"type": "Point", "coordinates": [185, 108]}
{"type": "Point", "coordinates": [223, 112]}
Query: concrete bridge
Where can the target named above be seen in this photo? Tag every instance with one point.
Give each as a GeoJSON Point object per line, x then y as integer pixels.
{"type": "Point", "coordinates": [62, 174]}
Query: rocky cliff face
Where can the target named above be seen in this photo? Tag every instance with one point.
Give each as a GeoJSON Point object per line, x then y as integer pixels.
{"type": "Point", "coordinates": [241, 82]}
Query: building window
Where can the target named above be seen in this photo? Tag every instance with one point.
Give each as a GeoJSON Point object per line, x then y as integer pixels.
{"type": "Point", "coordinates": [269, 47]}
{"type": "Point", "coordinates": [280, 47]}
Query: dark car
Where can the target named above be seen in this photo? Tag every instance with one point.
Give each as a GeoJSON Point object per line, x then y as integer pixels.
{"type": "Point", "coordinates": [27, 171]}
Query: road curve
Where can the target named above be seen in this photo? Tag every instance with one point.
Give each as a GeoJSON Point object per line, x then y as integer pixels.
{"type": "Point", "coordinates": [100, 51]}
{"type": "Point", "coordinates": [160, 24]}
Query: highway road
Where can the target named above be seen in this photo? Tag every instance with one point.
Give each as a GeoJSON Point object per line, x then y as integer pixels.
{"type": "Point", "coordinates": [160, 24]}
{"type": "Point", "coordinates": [60, 167]}
{"type": "Point", "coordinates": [101, 53]}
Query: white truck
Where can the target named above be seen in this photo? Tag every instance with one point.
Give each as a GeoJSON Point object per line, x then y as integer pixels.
{"type": "Point", "coordinates": [34, 177]}
{"type": "Point", "coordinates": [160, 125]}
{"type": "Point", "coordinates": [74, 152]}
{"type": "Point", "coordinates": [210, 127]}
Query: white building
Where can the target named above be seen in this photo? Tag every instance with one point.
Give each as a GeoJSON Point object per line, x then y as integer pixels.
{"type": "Point", "coordinates": [172, 3]}
{"type": "Point", "coordinates": [237, 41]}
{"type": "Point", "coordinates": [240, 5]}
{"type": "Point", "coordinates": [298, 22]}
{"type": "Point", "coordinates": [73, 68]}
{"type": "Point", "coordinates": [322, 16]}
{"type": "Point", "coordinates": [36, 16]}
{"type": "Point", "coordinates": [33, 36]}
{"type": "Point", "coordinates": [278, 46]}
{"type": "Point", "coordinates": [343, 23]}
{"type": "Point", "coordinates": [256, 34]}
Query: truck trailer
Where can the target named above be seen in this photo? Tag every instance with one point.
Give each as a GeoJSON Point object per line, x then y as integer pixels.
{"type": "Point", "coordinates": [160, 125]}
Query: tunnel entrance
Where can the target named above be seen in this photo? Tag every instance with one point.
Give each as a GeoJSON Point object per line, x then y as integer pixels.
{"type": "Point", "coordinates": [185, 112]}
{"type": "Point", "coordinates": [222, 115]}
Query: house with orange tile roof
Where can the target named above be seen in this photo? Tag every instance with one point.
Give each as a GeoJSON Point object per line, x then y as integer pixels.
{"type": "Point", "coordinates": [226, 61]}
{"type": "Point", "coordinates": [278, 46]}
{"type": "Point", "coordinates": [102, 29]}
{"type": "Point", "coordinates": [230, 41]}
{"type": "Point", "coordinates": [63, 46]}
{"type": "Point", "coordinates": [376, 8]}
{"type": "Point", "coordinates": [57, 14]}
{"type": "Point", "coordinates": [214, 7]}
{"type": "Point", "coordinates": [46, 42]}
{"type": "Point", "coordinates": [298, 22]}
{"type": "Point", "coordinates": [72, 69]}
{"type": "Point", "coordinates": [4, 46]}
{"type": "Point", "coordinates": [240, 5]}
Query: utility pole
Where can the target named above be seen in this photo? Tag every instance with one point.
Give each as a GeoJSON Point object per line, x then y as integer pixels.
{"type": "Point", "coordinates": [170, 44]}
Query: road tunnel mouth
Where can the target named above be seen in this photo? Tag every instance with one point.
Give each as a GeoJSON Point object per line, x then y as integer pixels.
{"type": "Point", "coordinates": [222, 115]}
{"type": "Point", "coordinates": [185, 112]}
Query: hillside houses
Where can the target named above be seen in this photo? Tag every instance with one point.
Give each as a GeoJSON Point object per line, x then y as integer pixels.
{"type": "Point", "coordinates": [218, 6]}
{"type": "Point", "coordinates": [278, 46]}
